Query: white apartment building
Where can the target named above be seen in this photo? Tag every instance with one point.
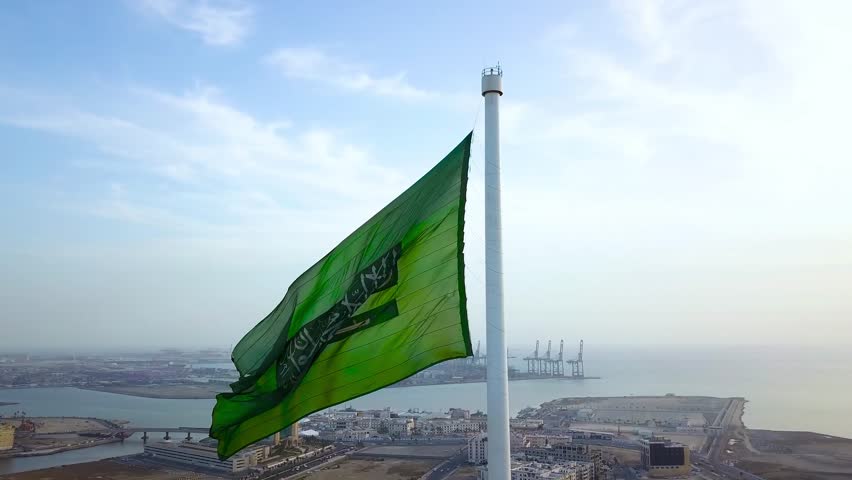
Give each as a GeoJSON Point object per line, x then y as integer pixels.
{"type": "Point", "coordinates": [204, 455]}
{"type": "Point", "coordinates": [477, 449]}
{"type": "Point", "coordinates": [444, 427]}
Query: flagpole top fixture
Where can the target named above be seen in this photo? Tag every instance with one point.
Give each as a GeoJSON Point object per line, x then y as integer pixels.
{"type": "Point", "coordinates": [492, 80]}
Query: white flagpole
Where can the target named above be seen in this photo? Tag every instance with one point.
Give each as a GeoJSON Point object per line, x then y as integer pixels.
{"type": "Point", "coordinates": [495, 332]}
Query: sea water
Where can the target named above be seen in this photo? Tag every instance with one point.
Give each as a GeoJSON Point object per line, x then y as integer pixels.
{"type": "Point", "coordinates": [788, 388]}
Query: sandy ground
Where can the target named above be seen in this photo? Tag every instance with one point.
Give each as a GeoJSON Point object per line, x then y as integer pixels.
{"type": "Point", "coordinates": [54, 433]}
{"type": "Point", "coordinates": [795, 455]}
{"type": "Point", "coordinates": [105, 470]}
{"type": "Point", "coordinates": [59, 424]}
{"type": "Point", "coordinates": [167, 391]}
{"type": "Point", "coordinates": [638, 410]}
{"type": "Point", "coordinates": [428, 451]}
{"type": "Point", "coordinates": [64, 424]}
{"type": "Point", "coordinates": [369, 469]}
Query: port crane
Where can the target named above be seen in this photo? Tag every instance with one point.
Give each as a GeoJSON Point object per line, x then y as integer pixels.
{"type": "Point", "coordinates": [548, 363]}
{"type": "Point", "coordinates": [560, 364]}
{"type": "Point", "coordinates": [577, 364]}
{"type": "Point", "coordinates": [533, 361]}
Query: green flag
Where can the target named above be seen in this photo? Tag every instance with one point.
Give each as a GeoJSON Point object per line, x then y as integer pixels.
{"type": "Point", "coordinates": [386, 303]}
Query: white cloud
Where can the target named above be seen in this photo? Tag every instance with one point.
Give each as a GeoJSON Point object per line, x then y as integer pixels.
{"type": "Point", "coordinates": [218, 23]}
{"type": "Point", "coordinates": [316, 65]}
{"type": "Point", "coordinates": [198, 194]}
{"type": "Point", "coordinates": [254, 173]}
{"type": "Point", "coordinates": [696, 172]}
{"type": "Point", "coordinates": [753, 119]}
{"type": "Point", "coordinates": [199, 135]}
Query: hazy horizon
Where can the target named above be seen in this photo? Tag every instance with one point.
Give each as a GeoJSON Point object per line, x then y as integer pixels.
{"type": "Point", "coordinates": [673, 173]}
{"type": "Point", "coordinates": [518, 350]}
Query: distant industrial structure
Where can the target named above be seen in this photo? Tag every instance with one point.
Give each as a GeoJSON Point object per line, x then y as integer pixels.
{"type": "Point", "coordinates": [577, 364]}
{"type": "Point", "coordinates": [545, 365]}
{"type": "Point", "coordinates": [548, 366]}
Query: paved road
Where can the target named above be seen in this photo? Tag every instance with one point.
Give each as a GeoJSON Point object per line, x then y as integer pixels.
{"type": "Point", "coordinates": [730, 422]}
{"type": "Point", "coordinates": [724, 471]}
{"type": "Point", "coordinates": [421, 441]}
{"type": "Point", "coordinates": [447, 468]}
{"type": "Point", "coordinates": [296, 469]}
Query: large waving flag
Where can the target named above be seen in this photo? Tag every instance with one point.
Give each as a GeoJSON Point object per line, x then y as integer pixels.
{"type": "Point", "coordinates": [386, 303]}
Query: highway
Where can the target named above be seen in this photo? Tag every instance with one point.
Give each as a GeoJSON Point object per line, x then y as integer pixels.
{"type": "Point", "coordinates": [447, 468]}
{"type": "Point", "coordinates": [713, 463]}
{"type": "Point", "coordinates": [295, 469]}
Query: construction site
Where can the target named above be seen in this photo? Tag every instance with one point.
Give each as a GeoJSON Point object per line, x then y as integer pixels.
{"type": "Point", "coordinates": [23, 436]}
{"type": "Point", "coordinates": [538, 364]}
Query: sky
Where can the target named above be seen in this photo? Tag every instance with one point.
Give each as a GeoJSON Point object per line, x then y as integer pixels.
{"type": "Point", "coordinates": [674, 172]}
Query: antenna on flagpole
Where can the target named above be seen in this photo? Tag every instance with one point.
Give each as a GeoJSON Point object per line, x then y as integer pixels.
{"type": "Point", "coordinates": [497, 374]}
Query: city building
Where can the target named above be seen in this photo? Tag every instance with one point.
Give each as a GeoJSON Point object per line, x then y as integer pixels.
{"type": "Point", "coordinates": [545, 440]}
{"type": "Point", "coordinates": [527, 423]}
{"type": "Point", "coordinates": [477, 449]}
{"type": "Point", "coordinates": [460, 413]}
{"type": "Point", "coordinates": [663, 458]}
{"type": "Point", "coordinates": [288, 437]}
{"type": "Point", "coordinates": [399, 427]}
{"type": "Point", "coordinates": [448, 426]}
{"type": "Point", "coordinates": [546, 471]}
{"type": "Point", "coordinates": [203, 454]}
{"type": "Point", "coordinates": [351, 435]}
{"type": "Point", "coordinates": [591, 435]}
{"type": "Point", "coordinates": [7, 436]}
{"type": "Point", "coordinates": [480, 418]}
{"type": "Point", "coordinates": [567, 452]}
{"type": "Point", "coordinates": [297, 459]}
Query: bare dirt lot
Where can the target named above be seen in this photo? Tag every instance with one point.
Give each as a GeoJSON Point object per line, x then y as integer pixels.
{"type": "Point", "coordinates": [795, 455]}
{"type": "Point", "coordinates": [425, 451]}
{"type": "Point", "coordinates": [668, 410]}
{"type": "Point", "coordinates": [65, 424]}
{"type": "Point", "coordinates": [54, 434]}
{"type": "Point", "coordinates": [105, 470]}
{"type": "Point", "coordinates": [370, 469]}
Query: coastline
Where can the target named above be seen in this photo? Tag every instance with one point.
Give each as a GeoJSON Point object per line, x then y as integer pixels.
{"type": "Point", "coordinates": [209, 392]}
{"type": "Point", "coordinates": [163, 392]}
{"type": "Point", "coordinates": [51, 451]}
{"type": "Point", "coordinates": [55, 434]}
{"type": "Point", "coordinates": [405, 384]}
{"type": "Point", "coordinates": [761, 450]}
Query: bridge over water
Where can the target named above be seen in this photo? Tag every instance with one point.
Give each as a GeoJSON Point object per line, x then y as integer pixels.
{"type": "Point", "coordinates": [129, 431]}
